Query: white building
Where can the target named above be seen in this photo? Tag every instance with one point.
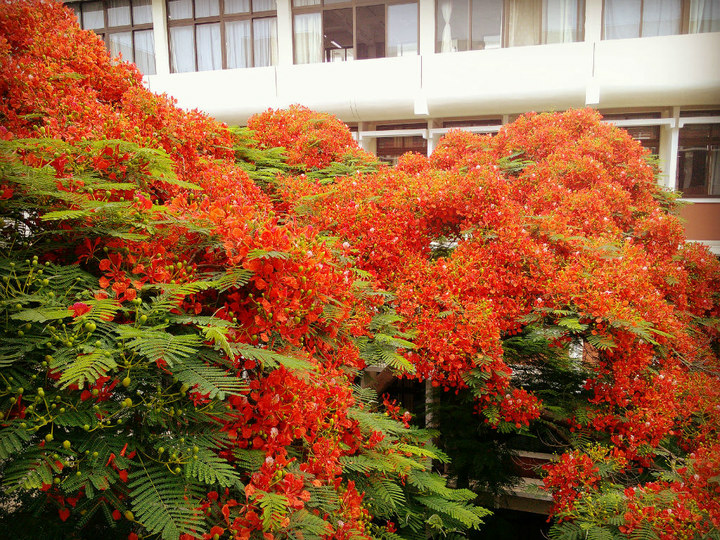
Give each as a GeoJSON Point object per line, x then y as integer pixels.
{"type": "Point", "coordinates": [402, 72]}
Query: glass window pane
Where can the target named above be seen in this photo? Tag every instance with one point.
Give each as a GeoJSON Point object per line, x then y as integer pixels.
{"type": "Point", "coordinates": [180, 9]}
{"type": "Point", "coordinates": [661, 17]}
{"type": "Point", "coordinates": [487, 24]}
{"type": "Point", "coordinates": [119, 13]}
{"type": "Point", "coordinates": [266, 46]}
{"type": "Point", "coordinates": [264, 5]}
{"type": "Point", "coordinates": [704, 16]}
{"type": "Point", "coordinates": [120, 43]}
{"type": "Point", "coordinates": [238, 42]}
{"type": "Point", "coordinates": [142, 11]}
{"type": "Point", "coordinates": [302, 3]}
{"type": "Point", "coordinates": [338, 34]}
{"type": "Point", "coordinates": [452, 25]}
{"type": "Point", "coordinates": [182, 49]}
{"type": "Point", "coordinates": [402, 29]}
{"type": "Point", "coordinates": [209, 51]}
{"type": "Point", "coordinates": [207, 8]}
{"type": "Point", "coordinates": [560, 21]}
{"type": "Point", "coordinates": [699, 160]}
{"type": "Point", "coordinates": [145, 51]}
{"type": "Point", "coordinates": [713, 167]}
{"type": "Point", "coordinates": [308, 38]}
{"type": "Point", "coordinates": [93, 15]}
{"type": "Point", "coordinates": [524, 22]}
{"type": "Point", "coordinates": [389, 149]}
{"type": "Point", "coordinates": [371, 32]}
{"type": "Point", "coordinates": [237, 6]}
{"type": "Point", "coordinates": [622, 19]}
{"type": "Point", "coordinates": [76, 9]}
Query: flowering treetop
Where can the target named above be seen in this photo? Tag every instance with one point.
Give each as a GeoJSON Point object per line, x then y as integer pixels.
{"type": "Point", "coordinates": [206, 300]}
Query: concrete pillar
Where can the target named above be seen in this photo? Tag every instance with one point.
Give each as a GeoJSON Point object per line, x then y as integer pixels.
{"type": "Point", "coordinates": [285, 35]}
{"type": "Point", "coordinates": [160, 36]}
{"type": "Point", "coordinates": [427, 27]}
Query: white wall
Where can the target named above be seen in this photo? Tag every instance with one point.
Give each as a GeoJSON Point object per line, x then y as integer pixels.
{"type": "Point", "coordinates": [649, 72]}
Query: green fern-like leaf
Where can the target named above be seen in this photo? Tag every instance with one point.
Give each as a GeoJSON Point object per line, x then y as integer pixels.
{"type": "Point", "coordinates": [599, 533]}
{"type": "Point", "coordinates": [601, 342]}
{"type": "Point", "coordinates": [324, 498]}
{"type": "Point", "coordinates": [375, 422]}
{"type": "Point", "coordinates": [387, 494]}
{"type": "Point", "coordinates": [41, 314]}
{"type": "Point", "coordinates": [306, 526]}
{"type": "Point", "coordinates": [158, 344]}
{"type": "Point", "coordinates": [271, 359]}
{"type": "Point", "coordinates": [469, 516]}
{"type": "Point", "coordinates": [31, 471]}
{"type": "Point", "coordinates": [218, 335]}
{"type": "Point", "coordinates": [13, 439]}
{"type": "Point", "coordinates": [211, 469]}
{"type": "Point", "coordinates": [566, 531]}
{"type": "Point", "coordinates": [60, 215]}
{"type": "Point", "coordinates": [164, 503]}
{"type": "Point", "coordinates": [262, 254]}
{"type": "Point", "coordinates": [250, 460]}
{"type": "Point", "coordinates": [235, 277]}
{"type": "Point", "coordinates": [572, 323]}
{"type": "Point", "coordinates": [87, 368]}
{"type": "Point", "coordinates": [644, 533]}
{"type": "Point", "coordinates": [274, 509]}
{"type": "Point", "coordinates": [207, 379]}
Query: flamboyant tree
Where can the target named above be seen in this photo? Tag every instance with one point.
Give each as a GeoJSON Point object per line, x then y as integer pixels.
{"type": "Point", "coordinates": [186, 308]}
{"type": "Point", "coordinates": [552, 235]}
{"type": "Point", "coordinates": [176, 356]}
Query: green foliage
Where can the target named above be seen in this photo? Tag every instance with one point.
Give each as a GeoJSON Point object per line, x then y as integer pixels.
{"type": "Point", "coordinates": [381, 349]}
{"type": "Point", "coordinates": [162, 502]}
{"type": "Point", "coordinates": [400, 486]}
{"type": "Point", "coordinates": [82, 391]}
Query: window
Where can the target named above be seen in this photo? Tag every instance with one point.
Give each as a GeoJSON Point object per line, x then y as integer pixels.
{"type": "Point", "coordinates": [648, 136]}
{"type": "Point", "coordinates": [490, 122]}
{"type": "Point", "coordinates": [342, 30]}
{"type": "Point", "coordinates": [221, 34]}
{"type": "Point", "coordinates": [699, 160]}
{"type": "Point", "coordinates": [125, 26]}
{"type": "Point", "coordinates": [646, 18]}
{"type": "Point", "coordinates": [464, 25]}
{"type": "Point", "coordinates": [389, 149]}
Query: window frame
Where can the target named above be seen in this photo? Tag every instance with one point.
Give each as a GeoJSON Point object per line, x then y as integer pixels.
{"type": "Point", "coordinates": [684, 21]}
{"type": "Point", "coordinates": [505, 26]}
{"type": "Point", "coordinates": [353, 4]}
{"type": "Point", "coordinates": [633, 121]}
{"type": "Point", "coordinates": [710, 120]}
{"type": "Point", "coordinates": [106, 30]}
{"type": "Point", "coordinates": [220, 19]}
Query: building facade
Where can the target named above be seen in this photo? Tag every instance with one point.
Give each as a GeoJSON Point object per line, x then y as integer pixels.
{"type": "Point", "coordinates": [402, 73]}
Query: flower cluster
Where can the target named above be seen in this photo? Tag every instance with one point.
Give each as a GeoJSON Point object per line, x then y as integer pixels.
{"type": "Point", "coordinates": [182, 295]}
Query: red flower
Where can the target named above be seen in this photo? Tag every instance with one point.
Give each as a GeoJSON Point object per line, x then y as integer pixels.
{"type": "Point", "coordinates": [79, 309]}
